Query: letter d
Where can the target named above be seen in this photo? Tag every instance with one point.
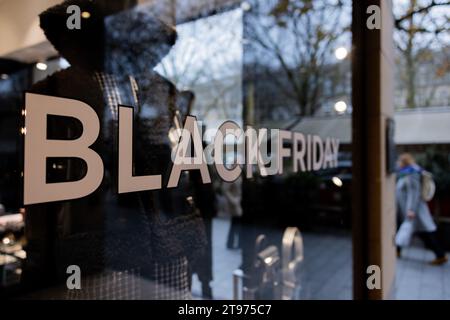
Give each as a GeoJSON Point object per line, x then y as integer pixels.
{"type": "Point", "coordinates": [38, 148]}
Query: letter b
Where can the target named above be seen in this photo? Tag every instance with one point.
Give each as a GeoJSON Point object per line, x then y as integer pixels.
{"type": "Point", "coordinates": [38, 148]}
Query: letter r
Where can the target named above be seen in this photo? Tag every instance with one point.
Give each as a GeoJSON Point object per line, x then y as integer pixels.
{"type": "Point", "coordinates": [38, 148]}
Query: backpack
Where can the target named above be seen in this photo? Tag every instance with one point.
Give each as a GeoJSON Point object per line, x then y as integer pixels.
{"type": "Point", "coordinates": [428, 185]}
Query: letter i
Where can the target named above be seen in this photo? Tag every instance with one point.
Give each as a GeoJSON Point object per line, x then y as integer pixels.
{"type": "Point", "coordinates": [309, 153]}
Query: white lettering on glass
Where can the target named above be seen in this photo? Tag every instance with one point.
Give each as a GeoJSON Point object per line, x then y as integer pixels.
{"type": "Point", "coordinates": [308, 152]}
{"type": "Point", "coordinates": [38, 148]}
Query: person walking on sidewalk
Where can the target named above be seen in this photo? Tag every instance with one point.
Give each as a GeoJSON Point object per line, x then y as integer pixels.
{"type": "Point", "coordinates": [410, 205]}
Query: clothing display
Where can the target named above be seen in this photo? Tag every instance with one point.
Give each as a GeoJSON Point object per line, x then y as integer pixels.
{"type": "Point", "coordinates": [130, 246]}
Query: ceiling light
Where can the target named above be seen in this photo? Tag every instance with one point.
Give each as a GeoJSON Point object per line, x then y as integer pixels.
{"type": "Point", "coordinates": [340, 107]}
{"type": "Point", "coordinates": [41, 66]}
{"type": "Point", "coordinates": [337, 182]}
{"type": "Point", "coordinates": [341, 53]}
{"type": "Point", "coordinates": [86, 15]}
{"type": "Point", "coordinates": [268, 260]}
{"type": "Point", "coordinates": [246, 6]}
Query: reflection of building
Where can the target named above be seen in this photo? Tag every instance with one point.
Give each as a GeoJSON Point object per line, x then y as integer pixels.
{"type": "Point", "coordinates": [216, 102]}
{"type": "Point", "coordinates": [419, 131]}
{"type": "Point", "coordinates": [275, 100]}
{"type": "Point", "coordinates": [416, 127]}
{"type": "Point", "coordinates": [432, 82]}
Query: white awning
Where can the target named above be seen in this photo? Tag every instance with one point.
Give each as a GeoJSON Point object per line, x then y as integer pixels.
{"type": "Point", "coordinates": [420, 126]}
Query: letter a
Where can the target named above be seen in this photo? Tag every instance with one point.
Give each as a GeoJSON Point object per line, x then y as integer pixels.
{"type": "Point", "coordinates": [74, 280]}
{"type": "Point", "coordinates": [182, 161]}
{"type": "Point", "coordinates": [374, 21]}
{"type": "Point", "coordinates": [74, 20]}
{"type": "Point", "coordinates": [374, 280]}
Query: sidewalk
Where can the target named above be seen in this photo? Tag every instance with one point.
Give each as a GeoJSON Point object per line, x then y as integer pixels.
{"type": "Point", "coordinates": [327, 269]}
{"type": "Point", "coordinates": [416, 279]}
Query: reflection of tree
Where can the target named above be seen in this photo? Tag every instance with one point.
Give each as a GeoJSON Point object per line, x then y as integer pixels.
{"type": "Point", "coordinates": [207, 60]}
{"type": "Point", "coordinates": [295, 37]}
{"type": "Point", "coordinates": [422, 33]}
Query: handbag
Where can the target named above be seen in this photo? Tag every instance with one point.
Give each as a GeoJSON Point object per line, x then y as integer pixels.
{"type": "Point", "coordinates": [404, 233]}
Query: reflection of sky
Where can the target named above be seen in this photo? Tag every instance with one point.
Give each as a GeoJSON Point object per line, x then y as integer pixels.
{"type": "Point", "coordinates": [290, 39]}
{"type": "Point", "coordinates": [207, 54]}
{"type": "Point", "coordinates": [208, 48]}
{"type": "Point", "coordinates": [401, 6]}
{"type": "Point", "coordinates": [437, 16]}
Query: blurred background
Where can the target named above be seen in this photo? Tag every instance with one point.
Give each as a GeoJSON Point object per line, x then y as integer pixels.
{"type": "Point", "coordinates": [282, 64]}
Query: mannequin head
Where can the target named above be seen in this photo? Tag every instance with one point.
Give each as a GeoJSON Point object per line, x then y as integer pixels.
{"type": "Point", "coordinates": [136, 41]}
{"type": "Point", "coordinates": [84, 47]}
{"type": "Point", "coordinates": [117, 37]}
